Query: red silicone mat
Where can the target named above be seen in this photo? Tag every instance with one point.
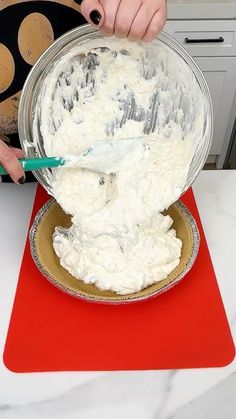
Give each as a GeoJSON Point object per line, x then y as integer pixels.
{"type": "Point", "coordinates": [185, 327]}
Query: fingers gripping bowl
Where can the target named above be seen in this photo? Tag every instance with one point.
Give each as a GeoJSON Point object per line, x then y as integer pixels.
{"type": "Point", "coordinates": [157, 90]}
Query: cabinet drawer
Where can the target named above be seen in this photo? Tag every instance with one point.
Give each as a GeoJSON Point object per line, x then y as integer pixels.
{"type": "Point", "coordinates": [205, 37]}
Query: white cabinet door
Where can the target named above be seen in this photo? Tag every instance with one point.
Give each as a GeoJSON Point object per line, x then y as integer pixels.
{"type": "Point", "coordinates": [220, 73]}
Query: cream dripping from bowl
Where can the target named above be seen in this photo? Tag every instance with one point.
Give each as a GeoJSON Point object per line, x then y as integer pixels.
{"type": "Point", "coordinates": [119, 240]}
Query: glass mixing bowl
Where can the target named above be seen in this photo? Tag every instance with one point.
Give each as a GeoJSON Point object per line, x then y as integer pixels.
{"type": "Point", "coordinates": [188, 101]}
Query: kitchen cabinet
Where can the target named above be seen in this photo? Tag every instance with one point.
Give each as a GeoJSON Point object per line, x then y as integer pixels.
{"type": "Point", "coordinates": [217, 60]}
{"type": "Point", "coordinates": [221, 35]}
{"type": "Point", "coordinates": [220, 74]}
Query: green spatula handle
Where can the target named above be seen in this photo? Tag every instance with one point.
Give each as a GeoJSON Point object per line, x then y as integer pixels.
{"type": "Point", "coordinates": [37, 163]}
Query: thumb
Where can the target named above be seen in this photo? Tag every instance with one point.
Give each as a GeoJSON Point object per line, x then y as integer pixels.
{"type": "Point", "coordinates": [93, 12]}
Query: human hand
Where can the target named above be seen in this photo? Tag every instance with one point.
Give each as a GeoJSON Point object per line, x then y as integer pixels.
{"type": "Point", "coordinates": [134, 19]}
{"type": "Point", "coordinates": [9, 160]}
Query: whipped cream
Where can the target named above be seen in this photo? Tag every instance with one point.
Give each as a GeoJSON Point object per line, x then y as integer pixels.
{"type": "Point", "coordinates": [119, 240]}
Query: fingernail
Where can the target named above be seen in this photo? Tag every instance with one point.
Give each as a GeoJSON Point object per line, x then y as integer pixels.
{"type": "Point", "coordinates": [21, 181]}
{"type": "Point", "coordinates": [95, 17]}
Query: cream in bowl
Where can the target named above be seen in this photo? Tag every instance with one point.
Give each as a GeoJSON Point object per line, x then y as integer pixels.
{"type": "Point", "coordinates": [120, 240]}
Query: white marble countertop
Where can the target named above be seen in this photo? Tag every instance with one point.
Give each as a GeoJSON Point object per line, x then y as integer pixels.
{"type": "Point", "coordinates": [179, 394]}
{"type": "Point", "coordinates": [201, 9]}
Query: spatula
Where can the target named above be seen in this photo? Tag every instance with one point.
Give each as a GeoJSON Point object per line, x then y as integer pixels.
{"type": "Point", "coordinates": [104, 157]}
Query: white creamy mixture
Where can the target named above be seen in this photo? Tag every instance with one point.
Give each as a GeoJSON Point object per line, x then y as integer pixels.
{"type": "Point", "coordinates": [119, 240]}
